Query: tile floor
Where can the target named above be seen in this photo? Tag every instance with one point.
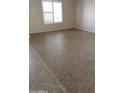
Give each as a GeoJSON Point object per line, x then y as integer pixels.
{"type": "Point", "coordinates": [63, 61]}
{"type": "Point", "coordinates": [42, 79]}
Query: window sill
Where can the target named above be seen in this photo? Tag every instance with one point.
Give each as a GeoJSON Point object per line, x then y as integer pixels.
{"type": "Point", "coordinates": [53, 23]}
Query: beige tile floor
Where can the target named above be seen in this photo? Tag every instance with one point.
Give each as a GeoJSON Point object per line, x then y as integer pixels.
{"type": "Point", "coordinates": [69, 57]}
{"type": "Point", "coordinates": [42, 79]}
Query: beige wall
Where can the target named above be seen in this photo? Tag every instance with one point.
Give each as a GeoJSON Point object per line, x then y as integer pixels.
{"type": "Point", "coordinates": [36, 17]}
{"type": "Point", "coordinates": [76, 14]}
{"type": "Point", "coordinates": [85, 15]}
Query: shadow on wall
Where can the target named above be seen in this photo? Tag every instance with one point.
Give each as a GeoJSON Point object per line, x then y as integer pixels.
{"type": "Point", "coordinates": [85, 15]}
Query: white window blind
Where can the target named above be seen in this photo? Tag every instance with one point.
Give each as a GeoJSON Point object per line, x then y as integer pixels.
{"type": "Point", "coordinates": [52, 11]}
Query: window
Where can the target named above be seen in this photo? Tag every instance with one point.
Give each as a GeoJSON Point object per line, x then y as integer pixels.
{"type": "Point", "coordinates": [52, 11]}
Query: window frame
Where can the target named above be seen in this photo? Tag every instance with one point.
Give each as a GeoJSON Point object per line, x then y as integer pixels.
{"type": "Point", "coordinates": [43, 12]}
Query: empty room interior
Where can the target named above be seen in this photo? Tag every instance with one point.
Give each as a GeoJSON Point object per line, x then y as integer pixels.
{"type": "Point", "coordinates": [62, 46]}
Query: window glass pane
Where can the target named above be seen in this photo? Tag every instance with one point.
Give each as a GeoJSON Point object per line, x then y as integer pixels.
{"type": "Point", "coordinates": [57, 11]}
{"type": "Point", "coordinates": [48, 18]}
{"type": "Point", "coordinates": [47, 6]}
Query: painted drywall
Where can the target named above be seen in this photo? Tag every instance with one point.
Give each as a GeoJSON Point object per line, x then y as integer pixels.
{"type": "Point", "coordinates": [36, 23]}
{"type": "Point", "coordinates": [85, 15]}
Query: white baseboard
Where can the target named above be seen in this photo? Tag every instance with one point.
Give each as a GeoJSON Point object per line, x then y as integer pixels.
{"type": "Point", "coordinates": [50, 30]}
{"type": "Point", "coordinates": [89, 30]}
{"type": "Point", "coordinates": [85, 29]}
